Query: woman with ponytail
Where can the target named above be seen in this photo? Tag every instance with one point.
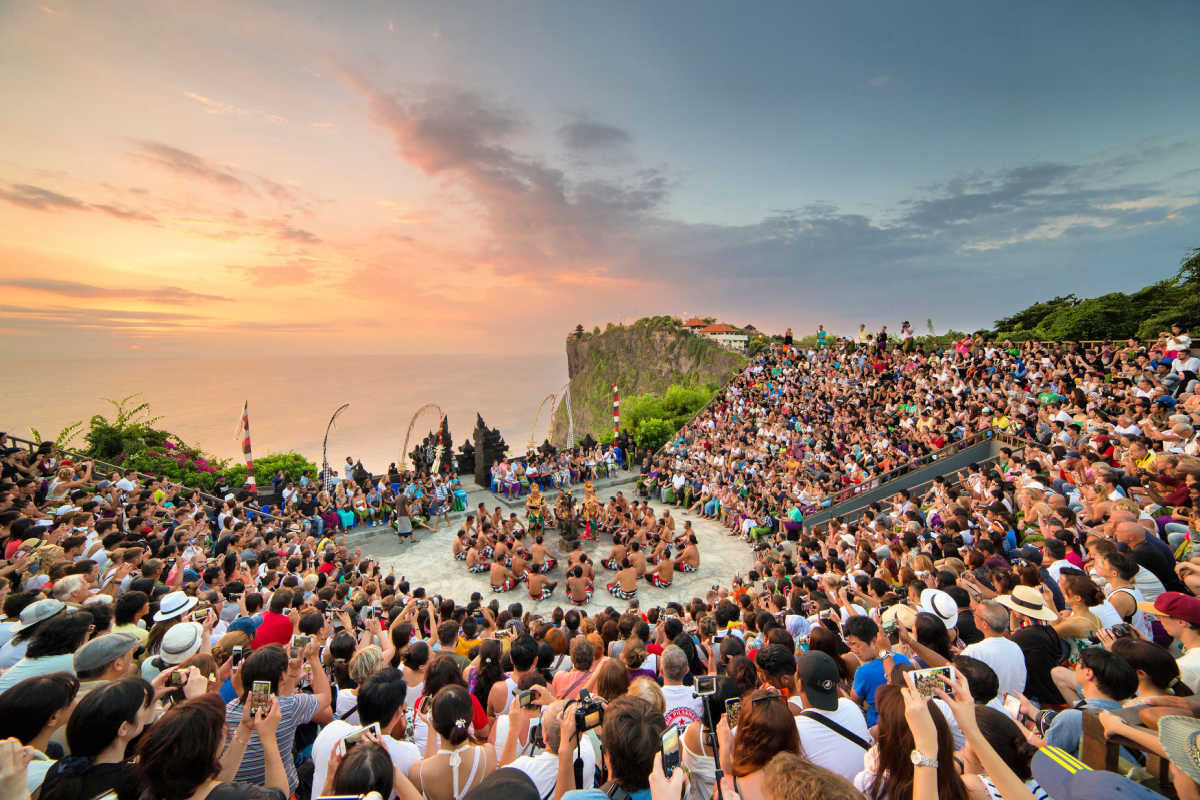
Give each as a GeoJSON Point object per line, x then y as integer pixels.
{"type": "Point", "coordinates": [99, 731]}
{"type": "Point", "coordinates": [458, 766]}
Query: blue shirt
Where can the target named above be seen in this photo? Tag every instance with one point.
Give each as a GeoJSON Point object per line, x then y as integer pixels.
{"type": "Point", "coordinates": [870, 677]}
{"type": "Point", "coordinates": [596, 794]}
{"type": "Point", "coordinates": [1066, 729]}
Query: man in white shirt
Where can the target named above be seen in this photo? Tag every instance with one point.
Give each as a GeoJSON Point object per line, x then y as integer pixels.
{"type": "Point", "coordinates": [683, 707]}
{"type": "Point", "coordinates": [381, 700]}
{"type": "Point", "coordinates": [1003, 655]}
{"type": "Point", "coordinates": [542, 768]}
{"type": "Point", "coordinates": [833, 730]}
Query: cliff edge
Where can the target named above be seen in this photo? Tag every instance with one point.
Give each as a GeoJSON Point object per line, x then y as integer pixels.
{"type": "Point", "coordinates": [645, 357]}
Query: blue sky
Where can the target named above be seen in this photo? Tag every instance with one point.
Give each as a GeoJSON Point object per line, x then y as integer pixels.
{"type": "Point", "coordinates": [466, 163]}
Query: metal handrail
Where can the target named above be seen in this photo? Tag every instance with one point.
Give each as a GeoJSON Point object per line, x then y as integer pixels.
{"type": "Point", "coordinates": [32, 447]}
{"type": "Point", "coordinates": [999, 436]}
{"type": "Point", "coordinates": [962, 444]}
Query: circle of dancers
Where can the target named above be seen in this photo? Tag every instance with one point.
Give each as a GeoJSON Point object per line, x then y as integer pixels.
{"type": "Point", "coordinates": [645, 546]}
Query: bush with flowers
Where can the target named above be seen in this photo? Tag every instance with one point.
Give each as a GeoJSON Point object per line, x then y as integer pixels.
{"type": "Point", "coordinates": [130, 439]}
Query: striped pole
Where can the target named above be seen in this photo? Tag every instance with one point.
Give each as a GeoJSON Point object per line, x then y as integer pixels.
{"type": "Point", "coordinates": [616, 412]}
{"type": "Point", "coordinates": [251, 485]}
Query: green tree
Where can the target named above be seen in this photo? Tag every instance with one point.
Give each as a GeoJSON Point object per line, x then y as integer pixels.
{"type": "Point", "coordinates": [653, 433]}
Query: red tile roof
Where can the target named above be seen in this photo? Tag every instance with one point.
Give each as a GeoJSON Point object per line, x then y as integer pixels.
{"type": "Point", "coordinates": [720, 328]}
{"type": "Point", "coordinates": [695, 322]}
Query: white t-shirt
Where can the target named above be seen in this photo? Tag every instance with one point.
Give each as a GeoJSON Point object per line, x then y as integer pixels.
{"type": "Point", "coordinates": [683, 707]}
{"type": "Point", "coordinates": [542, 769]}
{"type": "Point", "coordinates": [1006, 659]}
{"type": "Point", "coordinates": [345, 702]}
{"type": "Point", "coordinates": [404, 754]}
{"type": "Point", "coordinates": [828, 748]}
{"type": "Point", "coordinates": [1189, 668]}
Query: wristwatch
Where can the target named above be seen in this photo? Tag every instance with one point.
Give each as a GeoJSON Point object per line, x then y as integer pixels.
{"type": "Point", "coordinates": [919, 759]}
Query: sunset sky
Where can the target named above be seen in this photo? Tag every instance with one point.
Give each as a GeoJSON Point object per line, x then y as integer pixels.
{"type": "Point", "coordinates": [371, 177]}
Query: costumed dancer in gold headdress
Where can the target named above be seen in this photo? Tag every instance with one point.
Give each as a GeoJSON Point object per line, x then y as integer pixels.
{"type": "Point", "coordinates": [591, 510]}
{"type": "Point", "coordinates": [535, 508]}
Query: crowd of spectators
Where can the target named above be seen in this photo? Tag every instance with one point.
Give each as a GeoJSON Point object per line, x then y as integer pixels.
{"type": "Point", "coordinates": [560, 469]}
{"type": "Point", "coordinates": [155, 645]}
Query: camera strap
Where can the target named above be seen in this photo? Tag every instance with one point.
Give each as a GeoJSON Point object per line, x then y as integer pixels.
{"type": "Point", "coordinates": [836, 728]}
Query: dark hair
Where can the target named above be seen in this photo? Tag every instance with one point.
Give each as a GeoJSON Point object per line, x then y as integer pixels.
{"type": "Point", "coordinates": [982, 680]}
{"type": "Point", "coordinates": [523, 652]}
{"type": "Point", "coordinates": [1113, 674]}
{"type": "Point", "coordinates": [366, 768]}
{"type": "Point", "coordinates": [342, 648]}
{"type": "Point", "coordinates": [1006, 737]}
{"type": "Point", "coordinates": [932, 633]}
{"type": "Point", "coordinates": [824, 640]}
{"type": "Point", "coordinates": [632, 733]}
{"type": "Point", "coordinates": [490, 673]}
{"type": "Point", "coordinates": [381, 696]}
{"type": "Point", "coordinates": [451, 714]}
{"type": "Point", "coordinates": [416, 655]}
{"type": "Point", "coordinates": [1155, 661]}
{"type": "Point", "coordinates": [26, 707]}
{"type": "Point", "coordinates": [267, 663]}
{"type": "Point", "coordinates": [94, 725]}
{"type": "Point", "coordinates": [894, 771]}
{"type": "Point", "coordinates": [861, 628]}
{"type": "Point", "coordinates": [280, 600]}
{"type": "Point", "coordinates": [443, 671]}
{"type": "Point", "coordinates": [127, 605]}
{"type": "Point", "coordinates": [1085, 588]}
{"type": "Point", "coordinates": [742, 672]}
{"type": "Point", "coordinates": [62, 634]}
{"type": "Point", "coordinates": [766, 727]}
{"type": "Point", "coordinates": [183, 749]}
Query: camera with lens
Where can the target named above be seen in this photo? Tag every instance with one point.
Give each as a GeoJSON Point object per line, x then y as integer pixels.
{"type": "Point", "coordinates": [589, 712]}
{"type": "Point", "coordinates": [706, 685]}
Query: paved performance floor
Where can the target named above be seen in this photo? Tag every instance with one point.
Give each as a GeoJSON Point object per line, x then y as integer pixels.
{"type": "Point", "coordinates": [429, 563]}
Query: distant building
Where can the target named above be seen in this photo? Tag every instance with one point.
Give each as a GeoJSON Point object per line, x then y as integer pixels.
{"type": "Point", "coordinates": [695, 324]}
{"type": "Point", "coordinates": [725, 335]}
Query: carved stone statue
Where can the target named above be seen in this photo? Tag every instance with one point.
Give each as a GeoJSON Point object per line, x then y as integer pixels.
{"type": "Point", "coordinates": [490, 447]}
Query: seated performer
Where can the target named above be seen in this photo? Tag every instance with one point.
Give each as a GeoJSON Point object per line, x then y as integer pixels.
{"type": "Point", "coordinates": [664, 573]}
{"type": "Point", "coordinates": [540, 558]}
{"type": "Point", "coordinates": [501, 578]}
{"type": "Point", "coordinates": [624, 585]}
{"type": "Point", "coordinates": [579, 588]}
{"type": "Point", "coordinates": [539, 587]}
{"type": "Point", "coordinates": [689, 559]}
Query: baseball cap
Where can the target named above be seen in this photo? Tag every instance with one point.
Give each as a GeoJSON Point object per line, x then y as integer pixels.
{"type": "Point", "coordinates": [818, 675]}
{"type": "Point", "coordinates": [1065, 777]}
{"type": "Point", "coordinates": [1175, 605]}
{"type": "Point", "coordinates": [103, 650]}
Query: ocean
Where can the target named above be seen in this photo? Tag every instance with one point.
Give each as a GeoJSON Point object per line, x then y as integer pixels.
{"type": "Point", "coordinates": [291, 399]}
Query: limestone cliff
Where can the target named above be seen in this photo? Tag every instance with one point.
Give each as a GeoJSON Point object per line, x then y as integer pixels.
{"type": "Point", "coordinates": [643, 358]}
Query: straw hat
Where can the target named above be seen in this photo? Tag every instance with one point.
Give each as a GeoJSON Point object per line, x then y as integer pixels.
{"type": "Point", "coordinates": [1028, 601]}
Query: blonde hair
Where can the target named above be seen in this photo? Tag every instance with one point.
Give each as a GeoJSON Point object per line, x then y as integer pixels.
{"type": "Point", "coordinates": [788, 776]}
{"type": "Point", "coordinates": [649, 691]}
{"type": "Point", "coordinates": [365, 663]}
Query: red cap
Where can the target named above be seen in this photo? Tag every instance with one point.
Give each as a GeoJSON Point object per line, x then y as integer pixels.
{"type": "Point", "coordinates": [1175, 605]}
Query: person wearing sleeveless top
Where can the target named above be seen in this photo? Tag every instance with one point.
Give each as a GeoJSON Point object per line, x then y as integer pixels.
{"type": "Point", "coordinates": [458, 766]}
{"type": "Point", "coordinates": [1119, 570]}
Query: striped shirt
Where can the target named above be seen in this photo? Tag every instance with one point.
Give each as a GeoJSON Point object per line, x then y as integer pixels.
{"type": "Point", "coordinates": [295, 710]}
